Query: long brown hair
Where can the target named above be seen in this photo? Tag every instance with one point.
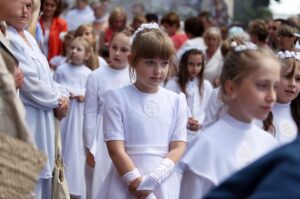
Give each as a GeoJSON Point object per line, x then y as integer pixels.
{"type": "Point", "coordinates": [183, 74]}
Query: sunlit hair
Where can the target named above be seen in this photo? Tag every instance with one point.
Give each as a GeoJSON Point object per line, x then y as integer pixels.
{"type": "Point", "coordinates": [213, 32]}
{"type": "Point", "coordinates": [289, 65]}
{"type": "Point", "coordinates": [183, 74]}
{"type": "Point", "coordinates": [259, 28]}
{"type": "Point", "coordinates": [87, 48]}
{"type": "Point", "coordinates": [151, 44]}
{"type": "Point", "coordinates": [116, 12]}
{"type": "Point", "coordinates": [287, 31]}
{"type": "Point", "coordinates": [94, 59]}
{"type": "Point", "coordinates": [238, 65]}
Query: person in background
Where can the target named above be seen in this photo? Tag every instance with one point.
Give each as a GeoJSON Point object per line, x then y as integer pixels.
{"type": "Point", "coordinates": [116, 22]}
{"type": "Point", "coordinates": [194, 30]}
{"type": "Point", "coordinates": [214, 59]}
{"type": "Point", "coordinates": [171, 24]}
{"type": "Point", "coordinates": [53, 26]}
{"type": "Point", "coordinates": [81, 14]}
{"type": "Point", "coordinates": [151, 18]}
{"type": "Point", "coordinates": [258, 31]}
{"type": "Point", "coordinates": [286, 112]}
{"type": "Point", "coordinates": [137, 21]}
{"type": "Point", "coordinates": [287, 38]}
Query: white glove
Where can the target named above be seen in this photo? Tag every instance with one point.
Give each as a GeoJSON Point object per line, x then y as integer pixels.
{"type": "Point", "coordinates": [130, 176]}
{"type": "Point", "coordinates": [157, 176]}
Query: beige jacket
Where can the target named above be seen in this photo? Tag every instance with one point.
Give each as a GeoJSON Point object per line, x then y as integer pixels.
{"type": "Point", "coordinates": [12, 114]}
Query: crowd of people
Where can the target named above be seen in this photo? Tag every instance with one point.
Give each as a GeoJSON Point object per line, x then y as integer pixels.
{"type": "Point", "coordinates": [147, 108]}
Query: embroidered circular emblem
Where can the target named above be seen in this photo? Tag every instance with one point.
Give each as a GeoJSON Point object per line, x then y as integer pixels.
{"type": "Point", "coordinates": [244, 155]}
{"type": "Point", "coordinates": [151, 108]}
{"type": "Point", "coordinates": [287, 129]}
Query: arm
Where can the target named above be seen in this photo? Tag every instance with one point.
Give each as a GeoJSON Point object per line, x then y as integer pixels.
{"type": "Point", "coordinates": [121, 160]}
{"type": "Point", "coordinates": [90, 114]}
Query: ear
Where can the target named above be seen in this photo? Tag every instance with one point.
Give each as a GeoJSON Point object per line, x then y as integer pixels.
{"type": "Point", "coordinates": [230, 89]}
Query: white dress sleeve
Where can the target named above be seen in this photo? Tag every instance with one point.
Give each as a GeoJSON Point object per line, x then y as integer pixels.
{"type": "Point", "coordinates": [194, 186]}
{"type": "Point", "coordinates": [179, 130]}
{"type": "Point", "coordinates": [90, 112]}
{"type": "Point", "coordinates": [113, 128]}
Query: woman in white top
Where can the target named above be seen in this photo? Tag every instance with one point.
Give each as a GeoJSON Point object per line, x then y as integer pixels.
{"type": "Point", "coordinates": [248, 82]}
{"type": "Point", "coordinates": [286, 113]}
{"type": "Point", "coordinates": [214, 59]}
{"type": "Point", "coordinates": [107, 77]}
{"type": "Point", "coordinates": [144, 124]}
{"type": "Point", "coordinates": [191, 82]}
{"type": "Point", "coordinates": [39, 93]}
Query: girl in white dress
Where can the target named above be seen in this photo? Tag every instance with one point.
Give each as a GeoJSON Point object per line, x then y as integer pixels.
{"type": "Point", "coordinates": [74, 76]}
{"type": "Point", "coordinates": [286, 112]}
{"type": "Point", "coordinates": [248, 87]}
{"type": "Point", "coordinates": [107, 77]}
{"type": "Point", "coordinates": [190, 81]}
{"type": "Point", "coordinates": [144, 124]}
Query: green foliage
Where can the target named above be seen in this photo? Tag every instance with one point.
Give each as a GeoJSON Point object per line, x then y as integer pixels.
{"type": "Point", "coordinates": [247, 10]}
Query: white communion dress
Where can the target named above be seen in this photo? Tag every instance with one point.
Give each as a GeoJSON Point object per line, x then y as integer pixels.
{"type": "Point", "coordinates": [147, 123]}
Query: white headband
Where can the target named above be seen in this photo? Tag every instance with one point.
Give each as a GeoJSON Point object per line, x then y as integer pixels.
{"type": "Point", "coordinates": [289, 54]}
{"type": "Point", "coordinates": [242, 47]}
{"type": "Point", "coordinates": [143, 27]}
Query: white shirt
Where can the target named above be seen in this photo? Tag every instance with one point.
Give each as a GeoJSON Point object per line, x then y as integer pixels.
{"type": "Point", "coordinates": [77, 17]}
{"type": "Point", "coordinates": [219, 151]}
{"type": "Point", "coordinates": [285, 127]}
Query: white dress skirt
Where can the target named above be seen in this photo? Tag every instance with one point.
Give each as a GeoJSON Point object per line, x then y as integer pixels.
{"type": "Point", "coordinates": [147, 123]}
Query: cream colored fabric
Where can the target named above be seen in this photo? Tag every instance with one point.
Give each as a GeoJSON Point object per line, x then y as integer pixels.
{"type": "Point", "coordinates": [12, 114]}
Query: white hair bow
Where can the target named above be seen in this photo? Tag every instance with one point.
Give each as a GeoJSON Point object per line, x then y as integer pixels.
{"type": "Point", "coordinates": [242, 47]}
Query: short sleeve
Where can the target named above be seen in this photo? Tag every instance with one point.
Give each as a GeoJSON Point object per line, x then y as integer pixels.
{"type": "Point", "coordinates": [113, 127]}
{"type": "Point", "coordinates": [179, 130]}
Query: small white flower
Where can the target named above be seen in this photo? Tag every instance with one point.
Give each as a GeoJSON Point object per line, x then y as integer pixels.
{"type": "Point", "coordinates": [143, 27]}
{"type": "Point", "coordinates": [245, 46]}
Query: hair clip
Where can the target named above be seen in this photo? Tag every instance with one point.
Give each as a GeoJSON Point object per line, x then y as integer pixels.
{"type": "Point", "coordinates": [144, 26]}
{"type": "Point", "coordinates": [288, 54]}
{"type": "Point", "coordinates": [242, 47]}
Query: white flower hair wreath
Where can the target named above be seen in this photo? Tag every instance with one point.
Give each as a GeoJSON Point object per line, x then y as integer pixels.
{"type": "Point", "coordinates": [242, 47]}
{"type": "Point", "coordinates": [143, 27]}
{"type": "Point", "coordinates": [289, 54]}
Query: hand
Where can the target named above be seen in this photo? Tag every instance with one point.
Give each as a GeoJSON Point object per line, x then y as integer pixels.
{"type": "Point", "coordinates": [132, 188]}
{"type": "Point", "coordinates": [193, 124]}
{"type": "Point", "coordinates": [62, 109]}
{"type": "Point", "coordinates": [80, 98]}
{"type": "Point", "coordinates": [90, 160]}
{"type": "Point", "coordinates": [19, 77]}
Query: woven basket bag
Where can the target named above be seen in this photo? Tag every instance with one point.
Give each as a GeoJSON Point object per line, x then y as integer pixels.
{"type": "Point", "coordinates": [20, 167]}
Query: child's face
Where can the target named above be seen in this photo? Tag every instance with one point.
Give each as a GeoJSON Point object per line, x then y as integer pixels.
{"type": "Point", "coordinates": [119, 50]}
{"type": "Point", "coordinates": [150, 73]}
{"type": "Point", "coordinates": [255, 95]}
{"type": "Point", "coordinates": [77, 53]}
{"type": "Point", "coordinates": [88, 35]}
{"type": "Point", "coordinates": [289, 85]}
{"type": "Point", "coordinates": [194, 65]}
